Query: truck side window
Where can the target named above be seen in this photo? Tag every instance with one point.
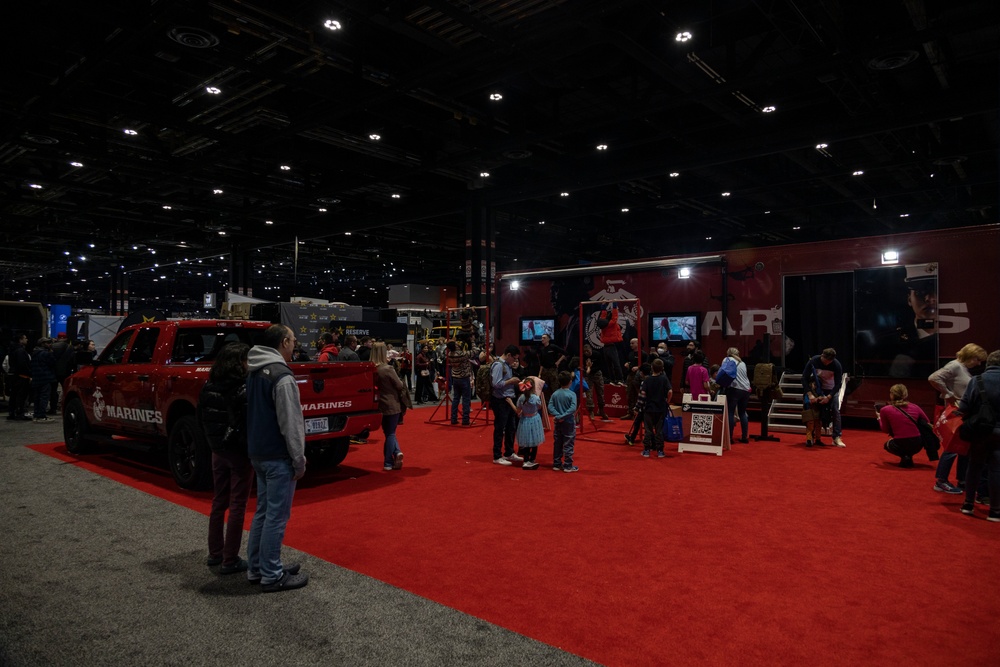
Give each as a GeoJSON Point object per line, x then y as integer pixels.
{"type": "Point", "coordinates": [114, 353]}
{"type": "Point", "coordinates": [142, 349]}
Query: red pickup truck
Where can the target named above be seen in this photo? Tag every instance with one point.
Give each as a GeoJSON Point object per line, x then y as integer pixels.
{"type": "Point", "coordinates": [145, 386]}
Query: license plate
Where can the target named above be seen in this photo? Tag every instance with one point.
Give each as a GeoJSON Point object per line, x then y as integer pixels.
{"type": "Point", "coordinates": [317, 425]}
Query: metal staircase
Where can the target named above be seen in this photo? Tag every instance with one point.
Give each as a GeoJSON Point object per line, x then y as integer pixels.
{"type": "Point", "coordinates": [785, 414]}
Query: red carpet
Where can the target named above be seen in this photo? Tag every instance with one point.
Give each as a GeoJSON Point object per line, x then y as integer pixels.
{"type": "Point", "coordinates": [770, 554]}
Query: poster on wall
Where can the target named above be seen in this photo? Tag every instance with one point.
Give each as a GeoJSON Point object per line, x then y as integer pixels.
{"type": "Point", "coordinates": [896, 320]}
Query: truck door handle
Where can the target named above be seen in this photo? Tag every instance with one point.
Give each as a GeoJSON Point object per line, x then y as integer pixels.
{"type": "Point", "coordinates": [144, 378]}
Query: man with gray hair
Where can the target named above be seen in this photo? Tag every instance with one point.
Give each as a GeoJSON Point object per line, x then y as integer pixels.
{"type": "Point", "coordinates": [276, 444]}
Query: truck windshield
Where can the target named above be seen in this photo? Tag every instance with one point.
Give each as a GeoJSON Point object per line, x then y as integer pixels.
{"type": "Point", "coordinates": [201, 344]}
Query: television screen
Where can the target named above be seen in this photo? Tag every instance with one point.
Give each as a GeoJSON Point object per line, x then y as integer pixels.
{"type": "Point", "coordinates": [532, 328]}
{"type": "Point", "coordinates": [674, 328]}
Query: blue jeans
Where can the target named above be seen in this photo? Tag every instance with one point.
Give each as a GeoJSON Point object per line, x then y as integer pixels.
{"type": "Point", "coordinates": [563, 439]}
{"type": "Point", "coordinates": [275, 488]}
{"type": "Point", "coordinates": [391, 446]}
{"type": "Point", "coordinates": [737, 400]}
{"type": "Point", "coordinates": [504, 427]}
{"type": "Point", "coordinates": [463, 391]}
{"type": "Point", "coordinates": [945, 463]}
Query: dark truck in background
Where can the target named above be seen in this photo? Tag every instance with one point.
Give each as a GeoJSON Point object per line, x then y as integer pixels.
{"type": "Point", "coordinates": [145, 387]}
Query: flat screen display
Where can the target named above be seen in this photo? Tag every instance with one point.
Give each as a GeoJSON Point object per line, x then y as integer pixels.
{"type": "Point", "coordinates": [532, 328]}
{"type": "Point", "coordinates": [675, 328]}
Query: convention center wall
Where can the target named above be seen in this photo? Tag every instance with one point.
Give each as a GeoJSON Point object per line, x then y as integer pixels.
{"type": "Point", "coordinates": [890, 323]}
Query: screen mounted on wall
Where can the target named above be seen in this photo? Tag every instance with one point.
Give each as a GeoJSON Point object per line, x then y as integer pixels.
{"type": "Point", "coordinates": [674, 328]}
{"type": "Point", "coordinates": [532, 329]}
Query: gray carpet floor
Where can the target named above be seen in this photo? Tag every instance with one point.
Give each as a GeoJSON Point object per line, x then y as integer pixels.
{"type": "Point", "coordinates": [93, 572]}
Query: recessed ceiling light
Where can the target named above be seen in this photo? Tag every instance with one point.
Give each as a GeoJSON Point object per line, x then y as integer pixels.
{"type": "Point", "coordinates": [708, 238]}
{"type": "Point", "coordinates": [858, 172]}
{"type": "Point", "coordinates": [216, 191]}
{"type": "Point", "coordinates": [674, 174]}
{"type": "Point", "coordinates": [322, 210]}
{"type": "Point", "coordinates": [496, 97]}
{"type": "Point", "coordinates": [541, 222]}
{"type": "Point", "coordinates": [65, 252]}
{"type": "Point", "coordinates": [35, 186]}
{"type": "Point", "coordinates": [166, 207]}
{"type": "Point", "coordinates": [212, 90]}
{"type": "Point", "coordinates": [624, 210]}
{"type": "Point", "coordinates": [347, 234]}
{"type": "Point", "coordinates": [726, 194]}
{"type": "Point", "coordinates": [796, 228]}
{"type": "Point", "coordinates": [375, 137]}
{"type": "Point", "coordinates": [820, 147]}
{"type": "Point", "coordinates": [222, 232]}
{"type": "Point", "coordinates": [269, 222]}
{"type": "Point", "coordinates": [130, 132]}
{"type": "Point", "coordinates": [285, 167]}
{"type": "Point", "coordinates": [484, 174]}
{"type": "Point", "coordinates": [768, 109]}
{"type": "Point", "coordinates": [331, 24]}
{"type": "Point", "coordinates": [76, 164]}
{"type": "Point", "coordinates": [602, 147]}
{"type": "Point", "coordinates": [904, 215]}
{"type": "Point", "coordinates": [91, 245]}
{"type": "Point", "coordinates": [683, 36]}
{"type": "Point", "coordinates": [564, 194]}
{"type": "Point", "coordinates": [396, 196]}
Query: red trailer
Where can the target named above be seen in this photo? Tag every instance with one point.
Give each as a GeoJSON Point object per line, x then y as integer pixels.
{"type": "Point", "coordinates": [894, 307]}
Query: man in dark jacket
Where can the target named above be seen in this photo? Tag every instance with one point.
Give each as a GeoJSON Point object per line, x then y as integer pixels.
{"type": "Point", "coordinates": [276, 444]}
{"type": "Point", "coordinates": [20, 377]}
{"type": "Point", "coordinates": [982, 394]}
{"type": "Point", "coordinates": [830, 376]}
{"type": "Point", "coordinates": [348, 353]}
{"type": "Point", "coordinates": [43, 376]}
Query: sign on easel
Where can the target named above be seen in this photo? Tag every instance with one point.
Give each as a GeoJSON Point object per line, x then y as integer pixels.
{"type": "Point", "coordinates": [706, 425]}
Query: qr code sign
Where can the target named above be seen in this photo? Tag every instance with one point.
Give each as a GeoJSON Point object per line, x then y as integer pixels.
{"type": "Point", "coordinates": [701, 424]}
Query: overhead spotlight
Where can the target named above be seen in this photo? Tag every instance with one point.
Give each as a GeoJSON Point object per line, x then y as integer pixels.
{"type": "Point", "coordinates": [820, 147]}
{"type": "Point", "coordinates": [624, 210]}
{"type": "Point", "coordinates": [347, 234]}
{"type": "Point", "coordinates": [375, 137]}
{"type": "Point", "coordinates": [541, 222]}
{"type": "Point", "coordinates": [708, 238]}
{"type": "Point", "coordinates": [269, 222]}
{"type": "Point", "coordinates": [212, 90]}
{"type": "Point", "coordinates": [768, 109]}
{"type": "Point", "coordinates": [484, 174]}
{"type": "Point", "coordinates": [904, 215]}
{"type": "Point", "coordinates": [216, 191]}
{"type": "Point", "coordinates": [167, 207]}
{"type": "Point", "coordinates": [564, 194]}
{"type": "Point", "coordinates": [683, 36]}
{"type": "Point", "coordinates": [76, 164]}
{"type": "Point", "coordinates": [890, 257]}
{"type": "Point", "coordinates": [496, 97]}
{"type": "Point", "coordinates": [797, 228]}
{"type": "Point", "coordinates": [674, 174]}
{"type": "Point", "coordinates": [130, 132]}
{"type": "Point", "coordinates": [602, 147]}
{"type": "Point", "coordinates": [331, 24]}
{"type": "Point", "coordinates": [222, 232]}
{"type": "Point", "coordinates": [858, 172]}
{"type": "Point", "coordinates": [684, 273]}
{"type": "Point", "coordinates": [322, 210]}
{"type": "Point", "coordinates": [285, 167]}
{"type": "Point", "coordinates": [727, 194]}
{"type": "Point", "coordinates": [35, 186]}
{"type": "Point", "coordinates": [396, 196]}
{"type": "Point", "coordinates": [515, 285]}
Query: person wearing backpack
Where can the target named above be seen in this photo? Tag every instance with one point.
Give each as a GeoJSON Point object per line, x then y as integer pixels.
{"type": "Point", "coordinates": [734, 372]}
{"type": "Point", "coordinates": [831, 376]}
{"type": "Point", "coordinates": [980, 408]}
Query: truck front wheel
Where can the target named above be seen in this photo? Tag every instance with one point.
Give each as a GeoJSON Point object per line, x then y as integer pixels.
{"type": "Point", "coordinates": [75, 428]}
{"type": "Point", "coordinates": [189, 456]}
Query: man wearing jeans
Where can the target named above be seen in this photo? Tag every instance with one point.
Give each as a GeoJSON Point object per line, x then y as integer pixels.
{"type": "Point", "coordinates": [276, 445]}
{"type": "Point", "coordinates": [830, 375]}
{"type": "Point", "coordinates": [501, 403]}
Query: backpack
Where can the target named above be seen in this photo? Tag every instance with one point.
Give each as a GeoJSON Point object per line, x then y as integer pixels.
{"type": "Point", "coordinates": [981, 423]}
{"type": "Point", "coordinates": [484, 385]}
{"type": "Point", "coordinates": [727, 373]}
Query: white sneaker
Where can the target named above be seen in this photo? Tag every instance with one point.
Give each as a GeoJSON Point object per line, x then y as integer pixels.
{"type": "Point", "coordinates": [502, 462]}
{"type": "Point", "coordinates": [837, 441]}
{"type": "Point", "coordinates": [514, 458]}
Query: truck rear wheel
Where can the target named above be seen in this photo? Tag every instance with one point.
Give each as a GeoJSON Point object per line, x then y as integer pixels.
{"type": "Point", "coordinates": [189, 456]}
{"type": "Point", "coordinates": [75, 428]}
{"type": "Point", "coordinates": [333, 453]}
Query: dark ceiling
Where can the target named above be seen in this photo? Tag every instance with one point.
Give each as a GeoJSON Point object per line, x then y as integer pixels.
{"type": "Point", "coordinates": [904, 90]}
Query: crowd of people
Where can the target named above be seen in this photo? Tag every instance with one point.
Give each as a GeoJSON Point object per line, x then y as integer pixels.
{"type": "Point", "coordinates": [33, 379]}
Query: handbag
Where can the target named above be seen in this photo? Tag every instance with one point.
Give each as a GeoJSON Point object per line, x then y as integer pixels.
{"type": "Point", "coordinates": [928, 439]}
{"type": "Point", "coordinates": [947, 426]}
{"type": "Point", "coordinates": [673, 428]}
{"type": "Point", "coordinates": [425, 373]}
